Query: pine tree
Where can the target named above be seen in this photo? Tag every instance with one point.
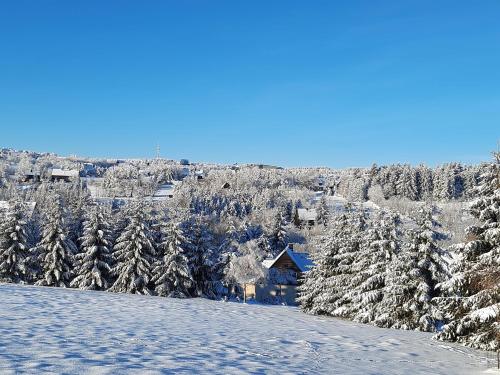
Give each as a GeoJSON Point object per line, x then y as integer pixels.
{"type": "Point", "coordinates": [472, 304]}
{"type": "Point", "coordinates": [324, 286]}
{"type": "Point", "coordinates": [279, 233]}
{"type": "Point", "coordinates": [93, 263]}
{"type": "Point", "coordinates": [134, 253]}
{"type": "Point", "coordinates": [296, 218]}
{"type": "Point", "coordinates": [171, 275]}
{"type": "Point", "coordinates": [200, 260]}
{"type": "Point", "coordinates": [412, 282]}
{"type": "Point", "coordinates": [323, 212]}
{"type": "Point", "coordinates": [55, 250]}
{"type": "Point", "coordinates": [379, 242]}
{"type": "Point", "coordinates": [13, 246]}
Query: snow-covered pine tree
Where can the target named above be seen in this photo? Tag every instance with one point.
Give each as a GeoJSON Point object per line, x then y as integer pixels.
{"type": "Point", "coordinates": [413, 278]}
{"type": "Point", "coordinates": [288, 211]}
{"type": "Point", "coordinates": [325, 284]}
{"type": "Point", "coordinates": [134, 253]}
{"type": "Point", "coordinates": [473, 301]}
{"type": "Point", "coordinates": [55, 250]}
{"type": "Point", "coordinates": [13, 245]}
{"type": "Point", "coordinates": [94, 261]}
{"type": "Point", "coordinates": [323, 213]}
{"type": "Point", "coordinates": [76, 202]}
{"type": "Point", "coordinates": [171, 275]}
{"type": "Point", "coordinates": [201, 260]}
{"type": "Point", "coordinates": [379, 242]}
{"type": "Point", "coordinates": [279, 234]}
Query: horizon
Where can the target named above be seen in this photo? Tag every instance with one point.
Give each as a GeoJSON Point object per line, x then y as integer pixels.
{"type": "Point", "coordinates": [289, 84]}
{"type": "Point", "coordinates": [193, 162]}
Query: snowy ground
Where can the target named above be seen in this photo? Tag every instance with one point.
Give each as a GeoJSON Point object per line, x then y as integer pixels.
{"type": "Point", "coordinates": [69, 331]}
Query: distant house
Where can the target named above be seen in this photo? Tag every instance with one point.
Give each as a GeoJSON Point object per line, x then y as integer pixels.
{"type": "Point", "coordinates": [164, 192]}
{"type": "Point", "coordinates": [319, 184]}
{"type": "Point", "coordinates": [31, 176]}
{"type": "Point", "coordinates": [284, 273]}
{"type": "Point", "coordinates": [199, 174]}
{"type": "Point", "coordinates": [307, 216]}
{"type": "Point", "coordinates": [64, 175]}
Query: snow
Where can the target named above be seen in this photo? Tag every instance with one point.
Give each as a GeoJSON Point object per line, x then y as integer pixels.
{"type": "Point", "coordinates": [487, 313]}
{"type": "Point", "coordinates": [307, 214]}
{"type": "Point", "coordinates": [164, 191]}
{"type": "Point", "coordinates": [56, 330]}
{"type": "Point", "coordinates": [64, 173]}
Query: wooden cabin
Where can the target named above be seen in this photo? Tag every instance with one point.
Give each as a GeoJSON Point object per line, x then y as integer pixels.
{"type": "Point", "coordinates": [284, 273]}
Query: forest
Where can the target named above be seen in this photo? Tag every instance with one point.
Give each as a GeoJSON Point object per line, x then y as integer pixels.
{"type": "Point", "coordinates": [398, 246]}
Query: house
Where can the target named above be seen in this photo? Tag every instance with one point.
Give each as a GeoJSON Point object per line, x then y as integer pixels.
{"type": "Point", "coordinates": [307, 216]}
{"type": "Point", "coordinates": [319, 184]}
{"type": "Point", "coordinates": [64, 175]}
{"type": "Point", "coordinates": [163, 192]}
{"type": "Point", "coordinates": [199, 174]}
{"type": "Point", "coordinates": [284, 274]}
{"type": "Point", "coordinates": [31, 176]}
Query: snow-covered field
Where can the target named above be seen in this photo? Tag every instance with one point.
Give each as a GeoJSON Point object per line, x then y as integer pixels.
{"type": "Point", "coordinates": [69, 331]}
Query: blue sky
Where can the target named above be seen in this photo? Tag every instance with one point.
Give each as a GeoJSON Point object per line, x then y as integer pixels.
{"type": "Point", "coordinates": [293, 83]}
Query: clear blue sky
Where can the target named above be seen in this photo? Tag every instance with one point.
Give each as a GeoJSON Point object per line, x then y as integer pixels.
{"type": "Point", "coordinates": [293, 83]}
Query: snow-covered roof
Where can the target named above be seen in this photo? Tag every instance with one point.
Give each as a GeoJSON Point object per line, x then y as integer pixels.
{"type": "Point", "coordinates": [164, 191]}
{"type": "Point", "coordinates": [307, 214]}
{"type": "Point", "coordinates": [64, 173]}
{"type": "Point", "coordinates": [267, 263]}
{"type": "Point", "coordinates": [301, 260]}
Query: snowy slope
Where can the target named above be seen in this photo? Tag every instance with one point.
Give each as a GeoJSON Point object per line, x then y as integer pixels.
{"type": "Point", "coordinates": [70, 331]}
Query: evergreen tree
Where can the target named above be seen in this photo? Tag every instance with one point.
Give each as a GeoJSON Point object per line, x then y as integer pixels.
{"type": "Point", "coordinates": [378, 244]}
{"type": "Point", "coordinates": [325, 284]}
{"type": "Point", "coordinates": [412, 282]}
{"type": "Point", "coordinates": [323, 212]}
{"type": "Point", "coordinates": [13, 246]}
{"type": "Point", "coordinates": [472, 304]}
{"type": "Point", "coordinates": [288, 211]}
{"type": "Point", "coordinates": [93, 263]}
{"type": "Point", "coordinates": [134, 253]}
{"type": "Point", "coordinates": [279, 233]}
{"type": "Point", "coordinates": [200, 260]}
{"type": "Point", "coordinates": [55, 250]}
{"type": "Point", "coordinates": [171, 275]}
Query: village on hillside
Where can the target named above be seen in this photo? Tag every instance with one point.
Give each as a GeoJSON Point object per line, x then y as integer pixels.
{"type": "Point", "coordinates": [383, 245]}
